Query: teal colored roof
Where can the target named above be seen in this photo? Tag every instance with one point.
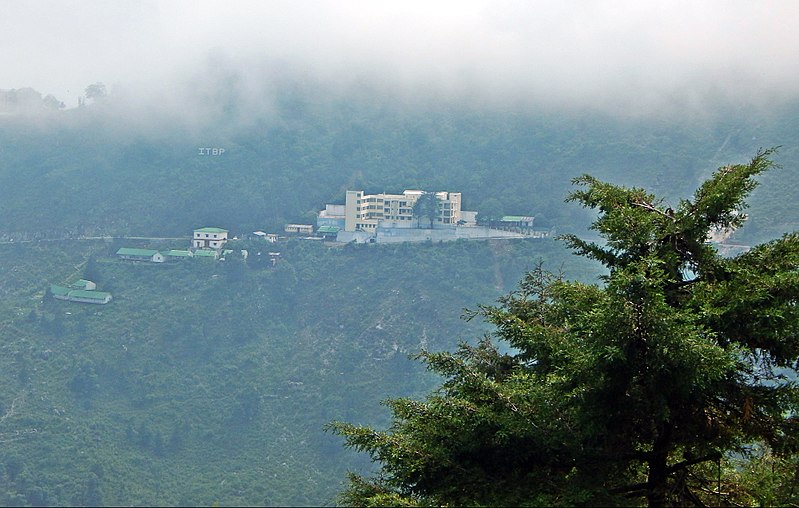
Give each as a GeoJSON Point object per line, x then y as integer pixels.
{"type": "Point", "coordinates": [177, 253]}
{"type": "Point", "coordinates": [78, 293]}
{"type": "Point", "coordinates": [205, 253]}
{"type": "Point", "coordinates": [517, 218]}
{"type": "Point", "coordinates": [89, 295]}
{"type": "Point", "coordinates": [328, 229]}
{"type": "Point", "coordinates": [226, 252]}
{"type": "Point", "coordinates": [210, 230]}
{"type": "Point", "coordinates": [59, 290]}
{"type": "Point", "coordinates": [127, 251]}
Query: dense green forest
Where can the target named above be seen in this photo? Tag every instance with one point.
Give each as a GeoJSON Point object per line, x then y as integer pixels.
{"type": "Point", "coordinates": [211, 382]}
{"type": "Point", "coordinates": [667, 385]}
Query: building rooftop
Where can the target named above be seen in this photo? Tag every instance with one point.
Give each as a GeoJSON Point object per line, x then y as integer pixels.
{"type": "Point", "coordinates": [70, 294]}
{"type": "Point", "coordinates": [210, 230]}
{"type": "Point", "coordinates": [205, 253]}
{"type": "Point", "coordinates": [127, 251]}
{"type": "Point", "coordinates": [517, 218]}
{"type": "Point", "coordinates": [177, 253]}
{"type": "Point", "coordinates": [59, 290]}
{"type": "Point", "coordinates": [89, 295]}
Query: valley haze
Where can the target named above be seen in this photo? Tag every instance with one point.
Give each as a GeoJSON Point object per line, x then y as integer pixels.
{"type": "Point", "coordinates": [211, 382]}
{"type": "Point", "coordinates": [624, 57]}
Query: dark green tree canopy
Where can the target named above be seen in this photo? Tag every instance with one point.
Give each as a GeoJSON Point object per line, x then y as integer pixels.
{"type": "Point", "coordinates": [617, 393]}
{"type": "Point", "coordinates": [426, 207]}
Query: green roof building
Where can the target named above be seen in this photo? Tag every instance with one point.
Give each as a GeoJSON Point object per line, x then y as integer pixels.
{"type": "Point", "coordinates": [80, 295]}
{"type": "Point", "coordinates": [175, 253]}
{"type": "Point", "coordinates": [141, 255]}
{"type": "Point", "coordinates": [206, 253]}
{"type": "Point", "coordinates": [59, 291]}
{"type": "Point", "coordinates": [99, 297]}
{"type": "Point", "coordinates": [520, 220]}
{"type": "Point", "coordinates": [83, 284]}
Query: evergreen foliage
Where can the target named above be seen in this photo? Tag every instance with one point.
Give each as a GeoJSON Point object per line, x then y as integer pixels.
{"type": "Point", "coordinates": [627, 392]}
{"type": "Point", "coordinates": [426, 207]}
{"type": "Point", "coordinates": [210, 382]}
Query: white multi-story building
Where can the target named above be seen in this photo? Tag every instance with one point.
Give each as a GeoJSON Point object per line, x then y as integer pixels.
{"type": "Point", "coordinates": [209, 238]}
{"type": "Point", "coordinates": [365, 212]}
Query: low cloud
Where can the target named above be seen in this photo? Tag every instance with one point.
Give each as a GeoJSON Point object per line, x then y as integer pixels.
{"type": "Point", "coordinates": [628, 57]}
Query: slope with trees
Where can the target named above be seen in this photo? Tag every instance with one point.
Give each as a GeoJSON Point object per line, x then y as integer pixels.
{"type": "Point", "coordinates": [634, 390]}
{"type": "Point", "coordinates": [210, 382]}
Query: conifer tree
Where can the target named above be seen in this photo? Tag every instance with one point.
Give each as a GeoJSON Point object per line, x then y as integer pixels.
{"type": "Point", "coordinates": [426, 207]}
{"type": "Point", "coordinates": [631, 391]}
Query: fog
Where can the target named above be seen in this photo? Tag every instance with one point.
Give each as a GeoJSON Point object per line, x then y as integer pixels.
{"type": "Point", "coordinates": [627, 57]}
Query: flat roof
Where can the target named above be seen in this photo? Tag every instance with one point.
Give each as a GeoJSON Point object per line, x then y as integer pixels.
{"type": "Point", "coordinates": [90, 295]}
{"type": "Point", "coordinates": [128, 251]}
{"type": "Point", "coordinates": [210, 230]}
{"type": "Point", "coordinates": [59, 290]}
{"type": "Point", "coordinates": [517, 218]}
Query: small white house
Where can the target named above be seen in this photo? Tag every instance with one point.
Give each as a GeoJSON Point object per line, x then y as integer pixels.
{"type": "Point", "coordinates": [209, 238]}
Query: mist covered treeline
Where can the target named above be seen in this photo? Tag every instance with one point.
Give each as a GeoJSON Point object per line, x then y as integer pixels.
{"type": "Point", "coordinates": [127, 164]}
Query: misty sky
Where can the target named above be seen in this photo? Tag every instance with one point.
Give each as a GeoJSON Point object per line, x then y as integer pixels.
{"type": "Point", "coordinates": [619, 54]}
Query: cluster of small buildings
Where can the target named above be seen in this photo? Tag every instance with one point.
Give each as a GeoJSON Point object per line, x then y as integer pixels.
{"type": "Point", "coordinates": [206, 243]}
{"type": "Point", "coordinates": [363, 218]}
{"type": "Point", "coordinates": [83, 291]}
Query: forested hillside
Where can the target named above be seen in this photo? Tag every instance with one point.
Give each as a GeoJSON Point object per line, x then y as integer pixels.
{"type": "Point", "coordinates": [211, 382]}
